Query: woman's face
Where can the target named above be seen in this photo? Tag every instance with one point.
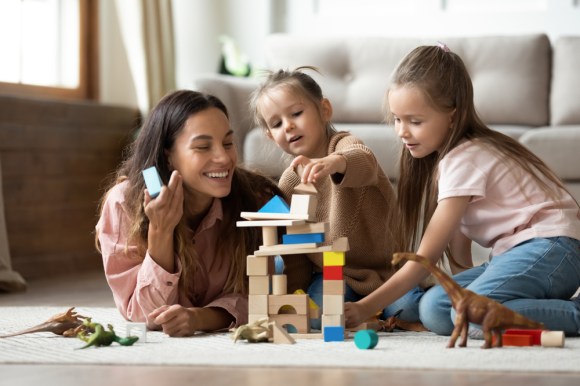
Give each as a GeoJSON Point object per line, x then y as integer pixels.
{"type": "Point", "coordinates": [205, 156]}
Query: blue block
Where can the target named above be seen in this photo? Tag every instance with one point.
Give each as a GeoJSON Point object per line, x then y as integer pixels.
{"type": "Point", "coordinates": [301, 238]}
{"type": "Point", "coordinates": [275, 205]}
{"type": "Point", "coordinates": [366, 339]}
{"type": "Point", "coordinates": [152, 181]}
{"type": "Point", "coordinates": [334, 334]}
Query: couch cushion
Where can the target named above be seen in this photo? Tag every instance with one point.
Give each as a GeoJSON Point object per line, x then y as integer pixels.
{"type": "Point", "coordinates": [557, 147]}
{"type": "Point", "coordinates": [510, 73]}
{"type": "Point", "coordinates": [565, 98]}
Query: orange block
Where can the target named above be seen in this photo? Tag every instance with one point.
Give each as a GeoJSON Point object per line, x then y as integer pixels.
{"type": "Point", "coordinates": [515, 340]}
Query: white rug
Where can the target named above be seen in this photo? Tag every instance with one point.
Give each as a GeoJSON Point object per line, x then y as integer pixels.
{"type": "Point", "coordinates": [399, 350]}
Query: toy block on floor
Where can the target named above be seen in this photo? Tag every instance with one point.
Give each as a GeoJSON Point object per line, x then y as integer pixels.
{"type": "Point", "coordinates": [366, 339]}
{"type": "Point", "coordinates": [257, 266]}
{"type": "Point", "coordinates": [300, 322]}
{"type": "Point", "coordinates": [303, 238]}
{"type": "Point", "coordinates": [332, 272]}
{"type": "Point", "coordinates": [514, 340]}
{"type": "Point", "coordinates": [141, 328]}
{"type": "Point", "coordinates": [275, 205]}
{"type": "Point", "coordinates": [281, 336]}
{"type": "Point", "coordinates": [298, 302]}
{"type": "Point", "coordinates": [333, 258]}
{"type": "Point", "coordinates": [259, 285]}
{"type": "Point", "coordinates": [553, 339]}
{"type": "Point", "coordinates": [333, 334]}
{"type": "Point", "coordinates": [332, 305]}
{"type": "Point", "coordinates": [535, 334]}
{"type": "Point", "coordinates": [317, 227]}
{"type": "Point", "coordinates": [304, 204]}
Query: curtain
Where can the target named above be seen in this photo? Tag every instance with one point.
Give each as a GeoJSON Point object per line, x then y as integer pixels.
{"type": "Point", "coordinates": [147, 30]}
{"type": "Point", "coordinates": [10, 281]}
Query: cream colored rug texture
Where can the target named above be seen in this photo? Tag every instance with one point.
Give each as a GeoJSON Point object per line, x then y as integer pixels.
{"type": "Point", "coordinates": [398, 350]}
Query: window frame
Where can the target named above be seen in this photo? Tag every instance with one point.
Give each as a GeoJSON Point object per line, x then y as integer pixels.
{"type": "Point", "coordinates": [88, 63]}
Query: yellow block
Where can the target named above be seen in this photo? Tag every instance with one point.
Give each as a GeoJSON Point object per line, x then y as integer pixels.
{"type": "Point", "coordinates": [333, 259]}
{"type": "Point", "coordinates": [311, 304]}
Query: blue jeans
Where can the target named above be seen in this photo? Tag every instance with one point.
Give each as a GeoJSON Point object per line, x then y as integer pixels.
{"type": "Point", "coordinates": [409, 302]}
{"type": "Point", "coordinates": [535, 278]}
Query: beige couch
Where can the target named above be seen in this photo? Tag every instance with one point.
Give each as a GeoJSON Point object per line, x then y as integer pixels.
{"type": "Point", "coordinates": [525, 86]}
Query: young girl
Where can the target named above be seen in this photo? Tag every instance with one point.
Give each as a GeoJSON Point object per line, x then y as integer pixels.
{"type": "Point", "coordinates": [178, 261]}
{"type": "Point", "coordinates": [470, 183]}
{"type": "Point", "coordinates": [354, 195]}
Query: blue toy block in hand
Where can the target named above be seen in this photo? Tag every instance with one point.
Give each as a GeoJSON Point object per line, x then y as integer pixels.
{"type": "Point", "coordinates": [152, 181]}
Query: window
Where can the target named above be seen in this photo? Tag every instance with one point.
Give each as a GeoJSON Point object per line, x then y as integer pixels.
{"type": "Point", "coordinates": [48, 48]}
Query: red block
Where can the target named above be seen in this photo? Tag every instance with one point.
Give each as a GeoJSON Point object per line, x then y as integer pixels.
{"type": "Point", "coordinates": [332, 272]}
{"type": "Point", "coordinates": [535, 334]}
{"type": "Point", "coordinates": [516, 340]}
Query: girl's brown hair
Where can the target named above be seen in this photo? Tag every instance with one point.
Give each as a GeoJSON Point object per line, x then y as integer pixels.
{"type": "Point", "coordinates": [150, 148]}
{"type": "Point", "coordinates": [444, 80]}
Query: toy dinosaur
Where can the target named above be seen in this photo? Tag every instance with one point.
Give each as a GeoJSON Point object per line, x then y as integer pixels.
{"type": "Point", "coordinates": [256, 332]}
{"type": "Point", "coordinates": [67, 324]}
{"type": "Point", "coordinates": [472, 308]}
{"type": "Point", "coordinates": [101, 337]}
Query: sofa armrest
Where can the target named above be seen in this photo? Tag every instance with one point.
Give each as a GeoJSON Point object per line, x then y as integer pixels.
{"type": "Point", "coordinates": [235, 93]}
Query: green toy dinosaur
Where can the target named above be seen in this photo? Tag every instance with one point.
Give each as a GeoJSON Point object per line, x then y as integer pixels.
{"type": "Point", "coordinates": [101, 337]}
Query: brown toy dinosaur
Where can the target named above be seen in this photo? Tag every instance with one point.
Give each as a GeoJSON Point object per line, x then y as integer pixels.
{"type": "Point", "coordinates": [472, 308]}
{"type": "Point", "coordinates": [67, 324]}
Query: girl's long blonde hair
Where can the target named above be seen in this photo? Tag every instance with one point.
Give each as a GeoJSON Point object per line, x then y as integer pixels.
{"type": "Point", "coordinates": [444, 80]}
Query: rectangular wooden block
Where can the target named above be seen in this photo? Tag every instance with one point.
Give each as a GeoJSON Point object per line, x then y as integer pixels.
{"type": "Point", "coordinates": [332, 272]}
{"type": "Point", "coordinates": [275, 216]}
{"type": "Point", "coordinates": [255, 317]}
{"type": "Point", "coordinates": [258, 304]}
{"type": "Point", "coordinates": [317, 227]}
{"type": "Point", "coordinates": [535, 334]}
{"type": "Point", "coordinates": [333, 258]}
{"type": "Point", "coordinates": [304, 204]}
{"type": "Point", "coordinates": [259, 285]}
{"type": "Point", "coordinates": [332, 305]}
{"type": "Point", "coordinates": [271, 223]}
{"type": "Point", "coordinates": [300, 322]}
{"type": "Point", "coordinates": [298, 302]}
{"type": "Point", "coordinates": [333, 287]}
{"type": "Point", "coordinates": [256, 265]}
{"type": "Point", "coordinates": [303, 238]}
{"type": "Point", "coordinates": [332, 320]}
{"type": "Point", "coordinates": [333, 334]}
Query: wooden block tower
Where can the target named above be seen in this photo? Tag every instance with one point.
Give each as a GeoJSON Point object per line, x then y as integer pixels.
{"type": "Point", "coordinates": [268, 297]}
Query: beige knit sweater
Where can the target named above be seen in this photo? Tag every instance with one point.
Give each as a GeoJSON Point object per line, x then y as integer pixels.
{"type": "Point", "coordinates": [356, 205]}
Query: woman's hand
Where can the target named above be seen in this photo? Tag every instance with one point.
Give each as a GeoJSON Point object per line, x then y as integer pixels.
{"type": "Point", "coordinates": [316, 169]}
{"type": "Point", "coordinates": [175, 320]}
{"type": "Point", "coordinates": [164, 213]}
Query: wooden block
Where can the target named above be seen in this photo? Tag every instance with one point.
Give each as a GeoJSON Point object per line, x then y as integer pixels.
{"type": "Point", "coordinates": [290, 249]}
{"type": "Point", "coordinates": [332, 320]}
{"type": "Point", "coordinates": [275, 216]}
{"type": "Point", "coordinates": [304, 204]}
{"type": "Point", "coordinates": [366, 339]}
{"type": "Point", "coordinates": [256, 266]}
{"type": "Point", "coordinates": [298, 302]}
{"type": "Point", "coordinates": [332, 272]}
{"type": "Point", "coordinates": [300, 322]}
{"type": "Point", "coordinates": [340, 245]}
{"type": "Point", "coordinates": [305, 189]}
{"type": "Point", "coordinates": [312, 335]}
{"type": "Point", "coordinates": [152, 181]}
{"type": "Point", "coordinates": [255, 317]}
{"type": "Point", "coordinates": [275, 205]}
{"type": "Point", "coordinates": [280, 248]}
{"type": "Point", "coordinates": [258, 304]}
{"type": "Point", "coordinates": [141, 328]}
{"type": "Point", "coordinates": [259, 285]}
{"type": "Point", "coordinates": [552, 339]}
{"type": "Point", "coordinates": [333, 258]}
{"type": "Point", "coordinates": [307, 227]}
{"type": "Point", "coordinates": [271, 223]}
{"type": "Point", "coordinates": [534, 333]}
{"type": "Point", "coordinates": [303, 238]}
{"type": "Point", "coordinates": [515, 340]}
{"type": "Point", "coordinates": [332, 305]}
{"type": "Point", "coordinates": [269, 236]}
{"type": "Point", "coordinates": [333, 287]}
{"type": "Point", "coordinates": [333, 334]}
{"type": "Point", "coordinates": [281, 336]}
{"type": "Point", "coordinates": [279, 285]}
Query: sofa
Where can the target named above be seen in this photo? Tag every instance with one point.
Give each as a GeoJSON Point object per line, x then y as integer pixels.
{"type": "Point", "coordinates": [525, 86]}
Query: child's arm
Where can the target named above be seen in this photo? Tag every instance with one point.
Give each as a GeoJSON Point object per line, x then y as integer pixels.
{"type": "Point", "coordinates": [177, 320]}
{"type": "Point", "coordinates": [316, 169]}
{"type": "Point", "coordinates": [441, 229]}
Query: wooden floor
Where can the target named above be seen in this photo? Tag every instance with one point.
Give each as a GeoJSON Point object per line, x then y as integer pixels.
{"type": "Point", "coordinates": [90, 290]}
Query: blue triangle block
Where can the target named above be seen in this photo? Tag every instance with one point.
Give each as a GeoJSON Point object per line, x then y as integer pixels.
{"type": "Point", "coordinates": [275, 205]}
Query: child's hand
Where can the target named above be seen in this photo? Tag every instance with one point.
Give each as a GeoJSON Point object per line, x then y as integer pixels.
{"type": "Point", "coordinates": [354, 314]}
{"type": "Point", "coordinates": [175, 320]}
{"type": "Point", "coordinates": [318, 168]}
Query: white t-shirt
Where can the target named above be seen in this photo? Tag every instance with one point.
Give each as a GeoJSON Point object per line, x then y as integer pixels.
{"type": "Point", "coordinates": [507, 206]}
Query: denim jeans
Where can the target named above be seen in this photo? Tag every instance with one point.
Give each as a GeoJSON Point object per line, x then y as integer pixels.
{"type": "Point", "coordinates": [535, 278]}
{"type": "Point", "coordinates": [409, 302]}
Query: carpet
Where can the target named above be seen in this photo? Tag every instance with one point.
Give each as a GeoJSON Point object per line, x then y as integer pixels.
{"type": "Point", "coordinates": [397, 350]}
